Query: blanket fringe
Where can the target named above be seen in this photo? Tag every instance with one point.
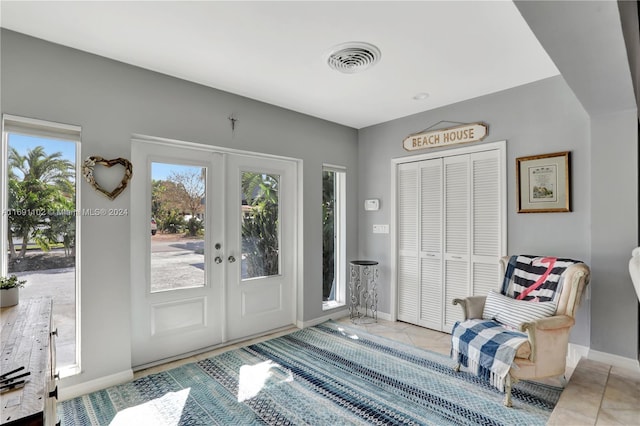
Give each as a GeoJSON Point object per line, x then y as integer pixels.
{"type": "Point", "coordinates": [495, 379]}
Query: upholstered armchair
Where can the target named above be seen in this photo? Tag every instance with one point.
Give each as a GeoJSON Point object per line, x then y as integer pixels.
{"type": "Point", "coordinates": [543, 347]}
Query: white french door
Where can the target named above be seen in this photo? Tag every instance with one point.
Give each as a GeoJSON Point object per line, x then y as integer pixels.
{"type": "Point", "coordinates": [260, 290]}
{"type": "Point", "coordinates": [221, 265]}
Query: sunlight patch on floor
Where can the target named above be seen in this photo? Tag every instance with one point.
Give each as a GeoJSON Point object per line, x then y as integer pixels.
{"type": "Point", "coordinates": [344, 333]}
{"type": "Point", "coordinates": [164, 411]}
{"type": "Point", "coordinates": [254, 377]}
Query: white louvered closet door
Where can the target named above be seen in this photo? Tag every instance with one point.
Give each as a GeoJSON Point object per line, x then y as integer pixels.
{"type": "Point", "coordinates": [408, 232]}
{"type": "Point", "coordinates": [457, 210]}
{"type": "Point", "coordinates": [450, 224]}
{"type": "Point", "coordinates": [486, 242]}
{"type": "Point", "coordinates": [431, 288]}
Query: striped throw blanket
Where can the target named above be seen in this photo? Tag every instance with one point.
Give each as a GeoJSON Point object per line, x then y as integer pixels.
{"type": "Point", "coordinates": [534, 278]}
{"type": "Point", "coordinates": [486, 348]}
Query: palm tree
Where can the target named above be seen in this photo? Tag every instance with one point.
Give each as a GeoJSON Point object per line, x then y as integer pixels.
{"type": "Point", "coordinates": [258, 187]}
{"type": "Point", "coordinates": [50, 169]}
{"type": "Point", "coordinates": [37, 181]}
{"type": "Point", "coordinates": [260, 236]}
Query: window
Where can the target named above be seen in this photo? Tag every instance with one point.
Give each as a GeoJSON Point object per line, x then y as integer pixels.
{"type": "Point", "coordinates": [39, 204]}
{"type": "Point", "coordinates": [333, 236]}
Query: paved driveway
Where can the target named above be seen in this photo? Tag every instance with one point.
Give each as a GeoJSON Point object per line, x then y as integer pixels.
{"type": "Point", "coordinates": [60, 285]}
{"type": "Point", "coordinates": [176, 264]}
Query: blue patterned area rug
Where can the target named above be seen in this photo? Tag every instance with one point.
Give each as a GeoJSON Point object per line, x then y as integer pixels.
{"type": "Point", "coordinates": [329, 374]}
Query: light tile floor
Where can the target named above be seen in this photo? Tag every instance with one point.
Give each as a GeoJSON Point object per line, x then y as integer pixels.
{"type": "Point", "coordinates": [597, 394]}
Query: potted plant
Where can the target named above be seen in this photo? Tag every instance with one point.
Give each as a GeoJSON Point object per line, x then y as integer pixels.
{"type": "Point", "coordinates": [9, 290]}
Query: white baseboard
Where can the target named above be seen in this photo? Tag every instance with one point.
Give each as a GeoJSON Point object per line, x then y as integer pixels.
{"type": "Point", "coordinates": [576, 352]}
{"type": "Point", "coordinates": [614, 360]}
{"type": "Point", "coordinates": [384, 316]}
{"type": "Point", "coordinates": [336, 315]}
{"type": "Point", "coordinates": [73, 391]}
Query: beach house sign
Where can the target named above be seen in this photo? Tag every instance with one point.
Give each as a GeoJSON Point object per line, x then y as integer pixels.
{"type": "Point", "coordinates": [450, 136]}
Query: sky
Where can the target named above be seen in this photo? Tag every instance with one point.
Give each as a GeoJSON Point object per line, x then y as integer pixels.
{"type": "Point", "coordinates": [160, 171]}
{"type": "Point", "coordinates": [24, 143]}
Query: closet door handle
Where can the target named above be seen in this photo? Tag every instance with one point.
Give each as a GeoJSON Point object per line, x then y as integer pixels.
{"type": "Point", "coordinates": [231, 259]}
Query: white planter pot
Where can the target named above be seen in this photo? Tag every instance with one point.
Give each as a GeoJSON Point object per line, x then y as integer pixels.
{"type": "Point", "coordinates": [9, 297]}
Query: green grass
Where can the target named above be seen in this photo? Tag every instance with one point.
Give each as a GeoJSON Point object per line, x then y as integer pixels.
{"type": "Point", "coordinates": [33, 246]}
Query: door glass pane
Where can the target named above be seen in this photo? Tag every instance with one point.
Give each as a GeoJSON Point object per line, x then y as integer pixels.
{"type": "Point", "coordinates": [177, 226]}
{"type": "Point", "coordinates": [260, 225]}
{"type": "Point", "coordinates": [41, 236]}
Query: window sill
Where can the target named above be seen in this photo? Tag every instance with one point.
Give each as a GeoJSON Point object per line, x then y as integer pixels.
{"type": "Point", "coordinates": [68, 371]}
{"type": "Point", "coordinates": [331, 305]}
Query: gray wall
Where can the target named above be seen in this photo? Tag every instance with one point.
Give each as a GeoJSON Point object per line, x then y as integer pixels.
{"type": "Point", "coordinates": [586, 42]}
{"type": "Point", "coordinates": [112, 101]}
{"type": "Point", "coordinates": [537, 118]}
{"type": "Point", "coordinates": [614, 233]}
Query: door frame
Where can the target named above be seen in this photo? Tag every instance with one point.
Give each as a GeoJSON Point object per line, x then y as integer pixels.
{"type": "Point", "coordinates": [500, 146]}
{"type": "Point", "coordinates": [297, 239]}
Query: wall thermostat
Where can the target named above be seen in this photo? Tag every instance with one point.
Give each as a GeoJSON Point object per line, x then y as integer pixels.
{"type": "Point", "coordinates": [372, 205]}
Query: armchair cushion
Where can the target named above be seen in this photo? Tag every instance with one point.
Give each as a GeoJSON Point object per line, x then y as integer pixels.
{"type": "Point", "coordinates": [512, 312]}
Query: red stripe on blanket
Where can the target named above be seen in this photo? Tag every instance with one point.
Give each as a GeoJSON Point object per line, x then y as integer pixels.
{"type": "Point", "coordinates": [542, 279]}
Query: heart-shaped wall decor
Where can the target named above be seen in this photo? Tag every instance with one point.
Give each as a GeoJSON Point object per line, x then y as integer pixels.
{"type": "Point", "coordinates": [91, 162]}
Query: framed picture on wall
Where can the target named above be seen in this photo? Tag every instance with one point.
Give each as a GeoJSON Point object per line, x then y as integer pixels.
{"type": "Point", "coordinates": [543, 183]}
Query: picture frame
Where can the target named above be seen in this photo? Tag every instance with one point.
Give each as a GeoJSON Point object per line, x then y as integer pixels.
{"type": "Point", "coordinates": [543, 183]}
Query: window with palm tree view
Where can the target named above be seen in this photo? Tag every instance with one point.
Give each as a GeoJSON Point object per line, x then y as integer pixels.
{"type": "Point", "coordinates": [333, 241]}
{"type": "Point", "coordinates": [41, 225]}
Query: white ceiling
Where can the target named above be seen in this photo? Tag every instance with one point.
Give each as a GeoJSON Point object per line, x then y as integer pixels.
{"type": "Point", "coordinates": [276, 52]}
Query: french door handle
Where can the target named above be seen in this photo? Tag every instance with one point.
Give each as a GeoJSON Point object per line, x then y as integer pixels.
{"type": "Point", "coordinates": [231, 259]}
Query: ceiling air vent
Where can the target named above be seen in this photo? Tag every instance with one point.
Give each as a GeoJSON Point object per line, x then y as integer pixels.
{"type": "Point", "coordinates": [353, 57]}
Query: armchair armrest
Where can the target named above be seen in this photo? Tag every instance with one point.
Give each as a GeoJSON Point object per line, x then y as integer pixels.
{"type": "Point", "coordinates": [549, 323]}
{"type": "Point", "coordinates": [472, 306]}
{"type": "Point", "coordinates": [546, 330]}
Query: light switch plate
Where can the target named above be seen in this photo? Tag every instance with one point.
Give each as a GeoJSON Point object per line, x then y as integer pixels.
{"type": "Point", "coordinates": [380, 229]}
